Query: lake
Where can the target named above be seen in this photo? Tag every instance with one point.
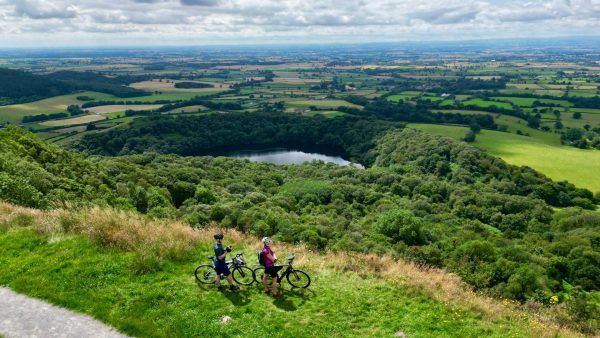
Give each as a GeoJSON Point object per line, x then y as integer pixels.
{"type": "Point", "coordinates": [286, 156]}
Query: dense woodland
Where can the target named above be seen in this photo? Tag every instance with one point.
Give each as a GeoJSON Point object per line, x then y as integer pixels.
{"type": "Point", "coordinates": [350, 137]}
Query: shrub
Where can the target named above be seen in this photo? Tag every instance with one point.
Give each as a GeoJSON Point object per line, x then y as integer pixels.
{"type": "Point", "coordinates": [19, 191]}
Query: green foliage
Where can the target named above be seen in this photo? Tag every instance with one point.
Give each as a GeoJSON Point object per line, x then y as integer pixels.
{"type": "Point", "coordinates": [306, 191]}
{"type": "Point", "coordinates": [204, 196]}
{"type": "Point", "coordinates": [19, 191]}
{"type": "Point", "coordinates": [402, 225]}
{"type": "Point", "coordinates": [429, 199]}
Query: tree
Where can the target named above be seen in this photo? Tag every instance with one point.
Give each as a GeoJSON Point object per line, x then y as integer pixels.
{"type": "Point", "coordinates": [469, 137]}
{"type": "Point", "coordinates": [558, 125]}
{"type": "Point", "coordinates": [475, 127]}
{"type": "Point", "coordinates": [533, 122]}
{"type": "Point", "coordinates": [577, 115]}
{"type": "Point", "coordinates": [402, 225]}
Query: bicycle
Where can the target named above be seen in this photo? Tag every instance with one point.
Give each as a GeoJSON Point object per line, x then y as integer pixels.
{"type": "Point", "coordinates": [205, 273]}
{"type": "Point", "coordinates": [296, 278]}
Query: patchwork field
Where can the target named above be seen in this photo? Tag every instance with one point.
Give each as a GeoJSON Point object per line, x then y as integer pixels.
{"type": "Point", "coordinates": [15, 113]}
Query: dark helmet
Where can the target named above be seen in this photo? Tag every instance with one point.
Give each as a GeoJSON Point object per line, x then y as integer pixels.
{"type": "Point", "coordinates": [219, 235]}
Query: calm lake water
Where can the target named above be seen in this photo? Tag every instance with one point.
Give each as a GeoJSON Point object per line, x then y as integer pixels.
{"type": "Point", "coordinates": [286, 156]}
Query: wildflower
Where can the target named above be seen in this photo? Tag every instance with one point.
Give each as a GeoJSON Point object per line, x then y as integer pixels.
{"type": "Point", "coordinates": [554, 299]}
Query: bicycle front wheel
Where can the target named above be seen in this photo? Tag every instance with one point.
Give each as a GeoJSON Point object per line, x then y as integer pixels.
{"type": "Point", "coordinates": [298, 279]}
{"type": "Point", "coordinates": [243, 275]}
{"type": "Point", "coordinates": [205, 274]}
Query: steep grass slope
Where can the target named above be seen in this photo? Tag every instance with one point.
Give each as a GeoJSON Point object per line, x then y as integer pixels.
{"type": "Point", "coordinates": [137, 275]}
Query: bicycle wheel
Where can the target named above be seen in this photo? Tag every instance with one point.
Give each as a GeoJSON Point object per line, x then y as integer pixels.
{"type": "Point", "coordinates": [205, 274]}
{"type": "Point", "coordinates": [258, 274]}
{"type": "Point", "coordinates": [243, 275]}
{"type": "Point", "coordinates": [298, 279]}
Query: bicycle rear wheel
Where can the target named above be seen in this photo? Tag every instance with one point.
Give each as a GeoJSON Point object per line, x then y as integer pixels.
{"type": "Point", "coordinates": [298, 279]}
{"type": "Point", "coordinates": [205, 274]}
{"type": "Point", "coordinates": [243, 275]}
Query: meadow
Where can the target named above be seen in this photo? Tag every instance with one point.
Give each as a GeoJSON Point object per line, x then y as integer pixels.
{"type": "Point", "coordinates": [559, 162]}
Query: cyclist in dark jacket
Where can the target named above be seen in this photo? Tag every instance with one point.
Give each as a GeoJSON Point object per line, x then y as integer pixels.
{"type": "Point", "coordinates": [220, 264]}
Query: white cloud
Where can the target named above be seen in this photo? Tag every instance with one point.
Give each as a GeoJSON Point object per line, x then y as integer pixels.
{"type": "Point", "coordinates": [41, 9]}
{"type": "Point", "coordinates": [222, 21]}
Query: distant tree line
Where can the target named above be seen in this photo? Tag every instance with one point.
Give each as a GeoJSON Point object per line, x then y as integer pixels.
{"type": "Point", "coordinates": [17, 86]}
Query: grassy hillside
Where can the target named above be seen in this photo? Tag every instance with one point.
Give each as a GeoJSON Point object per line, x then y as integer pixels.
{"type": "Point", "coordinates": [137, 276]}
{"type": "Point", "coordinates": [427, 199]}
{"type": "Point", "coordinates": [558, 162]}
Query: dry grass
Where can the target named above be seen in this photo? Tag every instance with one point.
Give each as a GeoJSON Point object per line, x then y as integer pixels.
{"type": "Point", "coordinates": [122, 107]}
{"type": "Point", "coordinates": [153, 241]}
{"type": "Point", "coordinates": [74, 120]}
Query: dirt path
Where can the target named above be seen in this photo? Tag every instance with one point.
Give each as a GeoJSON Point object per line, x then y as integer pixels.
{"type": "Point", "coordinates": [21, 316]}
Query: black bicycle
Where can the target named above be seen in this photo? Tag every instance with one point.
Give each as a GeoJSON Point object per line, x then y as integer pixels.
{"type": "Point", "coordinates": [242, 274]}
{"type": "Point", "coordinates": [296, 278]}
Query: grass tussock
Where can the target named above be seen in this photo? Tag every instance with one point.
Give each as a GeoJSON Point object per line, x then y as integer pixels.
{"type": "Point", "coordinates": [153, 242]}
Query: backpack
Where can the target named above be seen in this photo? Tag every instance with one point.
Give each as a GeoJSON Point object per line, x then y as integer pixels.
{"type": "Point", "coordinates": [261, 258]}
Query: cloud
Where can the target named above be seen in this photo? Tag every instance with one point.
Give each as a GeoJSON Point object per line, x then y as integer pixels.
{"type": "Point", "coordinates": [208, 3]}
{"type": "Point", "coordinates": [447, 15]}
{"type": "Point", "coordinates": [40, 9]}
{"type": "Point", "coordinates": [196, 21]}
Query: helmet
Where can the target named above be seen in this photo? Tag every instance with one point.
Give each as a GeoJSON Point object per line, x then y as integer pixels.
{"type": "Point", "coordinates": [266, 240]}
{"type": "Point", "coordinates": [218, 236]}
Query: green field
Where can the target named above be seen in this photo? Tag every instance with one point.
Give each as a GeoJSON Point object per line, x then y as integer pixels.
{"type": "Point", "coordinates": [528, 101]}
{"type": "Point", "coordinates": [169, 96]}
{"type": "Point", "coordinates": [320, 104]}
{"type": "Point", "coordinates": [558, 162]}
{"type": "Point", "coordinates": [486, 104]}
{"type": "Point", "coordinates": [399, 97]}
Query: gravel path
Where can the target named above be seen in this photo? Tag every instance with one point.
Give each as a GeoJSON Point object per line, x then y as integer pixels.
{"type": "Point", "coordinates": [21, 316]}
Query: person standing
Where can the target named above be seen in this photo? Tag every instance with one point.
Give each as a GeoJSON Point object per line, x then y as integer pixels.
{"type": "Point", "coordinates": [220, 264]}
{"type": "Point", "coordinates": [271, 269]}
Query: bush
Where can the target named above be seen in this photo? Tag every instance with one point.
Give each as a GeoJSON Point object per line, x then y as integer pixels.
{"type": "Point", "coordinates": [204, 196]}
{"type": "Point", "coordinates": [401, 225]}
{"type": "Point", "coordinates": [19, 191]}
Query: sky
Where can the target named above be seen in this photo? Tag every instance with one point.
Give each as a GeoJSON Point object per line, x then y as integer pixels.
{"type": "Point", "coordinates": [52, 23]}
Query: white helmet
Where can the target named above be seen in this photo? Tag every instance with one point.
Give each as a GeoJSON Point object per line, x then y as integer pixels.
{"type": "Point", "coordinates": [266, 240]}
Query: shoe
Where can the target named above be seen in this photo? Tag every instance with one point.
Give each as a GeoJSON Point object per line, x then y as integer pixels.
{"type": "Point", "coordinates": [220, 287]}
{"type": "Point", "coordinates": [234, 287]}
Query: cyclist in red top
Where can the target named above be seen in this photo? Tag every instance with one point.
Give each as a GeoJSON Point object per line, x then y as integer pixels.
{"type": "Point", "coordinates": [270, 268]}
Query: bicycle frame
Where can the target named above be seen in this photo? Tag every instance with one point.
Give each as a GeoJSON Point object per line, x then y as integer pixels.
{"type": "Point", "coordinates": [231, 263]}
{"type": "Point", "coordinates": [287, 271]}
